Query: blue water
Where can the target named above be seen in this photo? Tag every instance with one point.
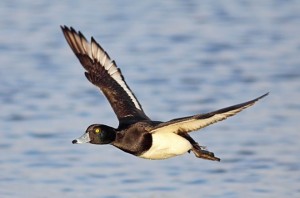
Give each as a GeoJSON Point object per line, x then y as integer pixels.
{"type": "Point", "coordinates": [180, 58]}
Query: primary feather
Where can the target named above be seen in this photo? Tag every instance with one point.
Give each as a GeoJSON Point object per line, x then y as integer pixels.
{"type": "Point", "coordinates": [104, 73]}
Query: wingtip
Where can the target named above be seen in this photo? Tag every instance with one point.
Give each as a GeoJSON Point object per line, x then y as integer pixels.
{"type": "Point", "coordinates": [64, 27]}
{"type": "Point", "coordinates": [264, 95]}
{"type": "Point", "coordinates": [93, 40]}
{"type": "Point", "coordinates": [68, 28]}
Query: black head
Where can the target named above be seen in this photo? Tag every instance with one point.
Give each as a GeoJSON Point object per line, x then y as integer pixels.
{"type": "Point", "coordinates": [97, 134]}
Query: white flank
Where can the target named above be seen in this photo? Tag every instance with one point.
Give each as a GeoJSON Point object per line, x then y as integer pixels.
{"type": "Point", "coordinates": [166, 145]}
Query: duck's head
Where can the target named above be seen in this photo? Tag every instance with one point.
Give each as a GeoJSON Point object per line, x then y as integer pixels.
{"type": "Point", "coordinates": [97, 134]}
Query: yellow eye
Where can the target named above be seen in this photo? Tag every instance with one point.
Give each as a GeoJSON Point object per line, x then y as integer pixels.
{"type": "Point", "coordinates": [97, 130]}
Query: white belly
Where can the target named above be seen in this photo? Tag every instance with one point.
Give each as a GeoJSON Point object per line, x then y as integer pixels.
{"type": "Point", "coordinates": [166, 145]}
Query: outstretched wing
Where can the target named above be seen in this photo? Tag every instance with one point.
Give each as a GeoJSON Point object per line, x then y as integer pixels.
{"type": "Point", "coordinates": [196, 122]}
{"type": "Point", "coordinates": [104, 73]}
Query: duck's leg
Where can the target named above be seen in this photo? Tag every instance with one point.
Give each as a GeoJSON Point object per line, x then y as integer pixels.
{"type": "Point", "coordinates": [204, 153]}
{"type": "Point", "coordinates": [198, 150]}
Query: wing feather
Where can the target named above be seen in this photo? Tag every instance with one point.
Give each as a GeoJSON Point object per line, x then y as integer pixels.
{"type": "Point", "coordinates": [104, 73]}
{"type": "Point", "coordinates": [196, 122]}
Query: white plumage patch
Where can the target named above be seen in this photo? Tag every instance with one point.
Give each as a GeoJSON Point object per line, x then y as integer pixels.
{"type": "Point", "coordinates": [166, 145]}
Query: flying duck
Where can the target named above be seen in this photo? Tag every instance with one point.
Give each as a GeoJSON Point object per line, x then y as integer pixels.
{"type": "Point", "coordinates": [137, 134]}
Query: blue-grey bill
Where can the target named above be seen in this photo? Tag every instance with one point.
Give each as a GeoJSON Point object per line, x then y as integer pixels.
{"type": "Point", "coordinates": [85, 138]}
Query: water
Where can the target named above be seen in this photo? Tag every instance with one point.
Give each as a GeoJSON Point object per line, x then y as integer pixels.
{"type": "Point", "coordinates": [180, 58]}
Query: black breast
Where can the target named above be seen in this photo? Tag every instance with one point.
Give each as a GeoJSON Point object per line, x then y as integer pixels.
{"type": "Point", "coordinates": [135, 140]}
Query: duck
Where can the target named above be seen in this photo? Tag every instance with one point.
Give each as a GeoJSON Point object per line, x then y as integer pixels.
{"type": "Point", "coordinates": [136, 133]}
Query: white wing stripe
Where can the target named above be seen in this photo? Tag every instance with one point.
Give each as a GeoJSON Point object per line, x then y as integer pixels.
{"type": "Point", "coordinates": [85, 47]}
{"type": "Point", "coordinates": [95, 52]}
{"type": "Point", "coordinates": [94, 49]}
{"type": "Point", "coordinates": [111, 64]}
{"type": "Point", "coordinates": [103, 59]}
{"type": "Point", "coordinates": [113, 71]}
{"type": "Point", "coordinates": [196, 124]}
